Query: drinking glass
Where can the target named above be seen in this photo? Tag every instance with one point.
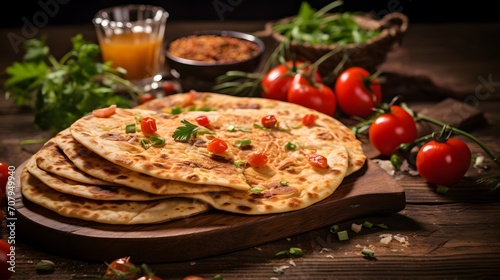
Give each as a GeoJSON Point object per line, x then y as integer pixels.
{"type": "Point", "coordinates": [132, 37]}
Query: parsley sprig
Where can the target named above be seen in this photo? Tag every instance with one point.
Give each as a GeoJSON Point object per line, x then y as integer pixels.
{"type": "Point", "coordinates": [188, 130]}
{"type": "Point", "coordinates": [61, 91]}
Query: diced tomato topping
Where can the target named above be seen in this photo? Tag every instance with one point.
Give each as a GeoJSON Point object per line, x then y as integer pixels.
{"type": "Point", "coordinates": [203, 120]}
{"type": "Point", "coordinates": [148, 125]}
{"type": "Point", "coordinates": [257, 159]}
{"type": "Point", "coordinates": [318, 161]}
{"type": "Point", "coordinates": [146, 97]}
{"type": "Point", "coordinates": [217, 146]}
{"type": "Point", "coordinates": [269, 121]}
{"type": "Point", "coordinates": [309, 119]}
{"type": "Point", "coordinates": [104, 112]}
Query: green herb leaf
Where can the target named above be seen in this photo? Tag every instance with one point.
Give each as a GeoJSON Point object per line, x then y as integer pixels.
{"type": "Point", "coordinates": [187, 131]}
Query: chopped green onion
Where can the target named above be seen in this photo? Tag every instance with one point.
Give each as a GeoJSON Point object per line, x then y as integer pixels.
{"type": "Point", "coordinates": [242, 143]}
{"type": "Point", "coordinates": [343, 235]}
{"type": "Point", "coordinates": [442, 189]}
{"type": "Point", "coordinates": [290, 146]}
{"type": "Point", "coordinates": [157, 141]}
{"type": "Point", "coordinates": [284, 183]}
{"type": "Point", "coordinates": [256, 125]}
{"type": "Point", "coordinates": [368, 253]}
{"type": "Point", "coordinates": [293, 252]}
{"type": "Point", "coordinates": [145, 144]}
{"type": "Point", "coordinates": [138, 118]}
{"type": "Point", "coordinates": [176, 110]}
{"type": "Point", "coordinates": [45, 265]}
{"type": "Point", "coordinates": [256, 190]}
{"type": "Point", "coordinates": [233, 128]}
{"type": "Point", "coordinates": [130, 128]}
{"type": "Point", "coordinates": [218, 277]}
{"type": "Point", "coordinates": [334, 228]}
{"type": "Point", "coordinates": [239, 163]}
{"type": "Point", "coordinates": [367, 224]}
{"type": "Point", "coordinates": [384, 226]}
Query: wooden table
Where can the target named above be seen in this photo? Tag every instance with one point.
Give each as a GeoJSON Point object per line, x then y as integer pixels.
{"type": "Point", "coordinates": [440, 236]}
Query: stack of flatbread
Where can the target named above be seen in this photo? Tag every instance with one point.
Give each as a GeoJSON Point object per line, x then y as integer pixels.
{"type": "Point", "coordinates": [97, 170]}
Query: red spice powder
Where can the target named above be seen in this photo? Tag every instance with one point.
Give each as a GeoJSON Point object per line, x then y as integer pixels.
{"type": "Point", "coordinates": [213, 48]}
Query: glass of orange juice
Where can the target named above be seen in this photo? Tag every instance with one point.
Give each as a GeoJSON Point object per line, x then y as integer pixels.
{"type": "Point", "coordinates": [131, 37]}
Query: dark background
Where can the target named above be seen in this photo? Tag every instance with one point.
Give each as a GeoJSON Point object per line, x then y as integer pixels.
{"type": "Point", "coordinates": [55, 12]}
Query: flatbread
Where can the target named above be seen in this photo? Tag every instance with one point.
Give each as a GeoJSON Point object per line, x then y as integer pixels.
{"type": "Point", "coordinates": [214, 101]}
{"type": "Point", "coordinates": [108, 212]}
{"type": "Point", "coordinates": [305, 190]}
{"type": "Point", "coordinates": [51, 159]}
{"type": "Point", "coordinates": [98, 167]}
{"type": "Point", "coordinates": [96, 192]}
{"type": "Point", "coordinates": [191, 160]}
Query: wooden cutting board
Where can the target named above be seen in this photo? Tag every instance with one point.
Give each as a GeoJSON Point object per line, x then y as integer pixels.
{"type": "Point", "coordinates": [370, 191]}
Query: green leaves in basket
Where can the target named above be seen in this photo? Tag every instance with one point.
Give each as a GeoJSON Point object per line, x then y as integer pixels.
{"type": "Point", "coordinates": [319, 28]}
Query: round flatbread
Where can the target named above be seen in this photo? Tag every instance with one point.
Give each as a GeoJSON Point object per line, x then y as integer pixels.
{"type": "Point", "coordinates": [192, 160]}
{"type": "Point", "coordinates": [95, 165]}
{"type": "Point", "coordinates": [213, 101]}
{"type": "Point", "coordinates": [108, 212]}
{"type": "Point", "coordinates": [51, 159]}
{"type": "Point", "coordinates": [96, 192]}
{"type": "Point", "coordinates": [283, 196]}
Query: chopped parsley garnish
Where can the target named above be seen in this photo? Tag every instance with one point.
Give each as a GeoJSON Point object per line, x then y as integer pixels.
{"type": "Point", "coordinates": [188, 130]}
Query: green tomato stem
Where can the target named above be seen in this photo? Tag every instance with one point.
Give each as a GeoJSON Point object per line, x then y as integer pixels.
{"type": "Point", "coordinates": [419, 117]}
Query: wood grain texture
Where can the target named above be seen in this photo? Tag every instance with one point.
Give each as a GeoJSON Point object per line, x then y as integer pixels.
{"type": "Point", "coordinates": [369, 191]}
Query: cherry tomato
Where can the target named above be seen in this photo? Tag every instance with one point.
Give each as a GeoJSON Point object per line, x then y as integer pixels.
{"type": "Point", "coordinates": [148, 125]}
{"type": "Point", "coordinates": [146, 97]}
{"type": "Point", "coordinates": [276, 82]}
{"type": "Point", "coordinates": [217, 146]}
{"type": "Point", "coordinates": [391, 129]}
{"type": "Point", "coordinates": [122, 268]}
{"type": "Point", "coordinates": [203, 120]}
{"type": "Point", "coordinates": [269, 121]}
{"type": "Point", "coordinates": [4, 176]}
{"type": "Point", "coordinates": [317, 161]}
{"type": "Point", "coordinates": [443, 163]}
{"type": "Point", "coordinates": [309, 119]}
{"type": "Point", "coordinates": [5, 273]}
{"type": "Point", "coordinates": [104, 112]}
{"type": "Point", "coordinates": [168, 87]}
{"type": "Point", "coordinates": [257, 159]}
{"type": "Point", "coordinates": [318, 97]}
{"type": "Point", "coordinates": [357, 94]}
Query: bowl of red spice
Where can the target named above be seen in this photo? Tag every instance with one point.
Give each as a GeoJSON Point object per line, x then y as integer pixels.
{"type": "Point", "coordinates": [198, 58]}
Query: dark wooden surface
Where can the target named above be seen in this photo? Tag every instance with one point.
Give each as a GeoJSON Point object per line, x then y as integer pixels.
{"type": "Point", "coordinates": [441, 236]}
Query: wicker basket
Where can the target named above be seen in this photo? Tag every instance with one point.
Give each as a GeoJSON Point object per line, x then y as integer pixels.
{"type": "Point", "coordinates": [369, 55]}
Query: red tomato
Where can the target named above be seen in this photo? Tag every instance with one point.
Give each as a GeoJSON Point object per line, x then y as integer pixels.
{"type": "Point", "coordinates": [217, 146]}
{"type": "Point", "coordinates": [356, 93]}
{"type": "Point", "coordinates": [318, 97]}
{"type": "Point", "coordinates": [391, 129]}
{"type": "Point", "coordinates": [5, 273]}
{"type": "Point", "coordinates": [104, 112]}
{"type": "Point", "coordinates": [257, 159]}
{"type": "Point", "coordinates": [146, 97]}
{"type": "Point", "coordinates": [203, 120]}
{"type": "Point", "coordinates": [122, 268]}
{"type": "Point", "coordinates": [148, 125]}
{"type": "Point", "coordinates": [168, 87]}
{"type": "Point", "coordinates": [443, 163]}
{"type": "Point", "coordinates": [276, 82]}
{"type": "Point", "coordinates": [317, 161]}
{"type": "Point", "coordinates": [309, 119]}
{"type": "Point", "coordinates": [4, 176]}
{"type": "Point", "coordinates": [269, 121]}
